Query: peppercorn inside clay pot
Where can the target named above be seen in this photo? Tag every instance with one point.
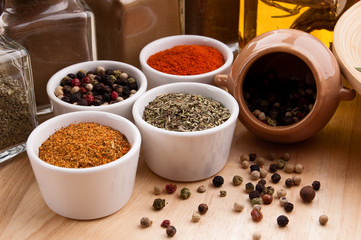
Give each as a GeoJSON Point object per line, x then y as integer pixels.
{"type": "Point", "coordinates": [287, 84]}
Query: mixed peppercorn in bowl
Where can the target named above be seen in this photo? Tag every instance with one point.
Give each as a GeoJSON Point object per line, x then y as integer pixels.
{"type": "Point", "coordinates": [108, 86]}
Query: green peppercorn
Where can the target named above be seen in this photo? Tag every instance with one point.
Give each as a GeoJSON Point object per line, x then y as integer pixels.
{"type": "Point", "coordinates": [158, 204]}
{"type": "Point", "coordinates": [281, 163]}
{"type": "Point", "coordinates": [185, 193]}
{"type": "Point", "coordinates": [269, 190]}
{"type": "Point", "coordinates": [256, 200]}
{"type": "Point", "coordinates": [237, 180]}
{"type": "Point", "coordinates": [223, 193]}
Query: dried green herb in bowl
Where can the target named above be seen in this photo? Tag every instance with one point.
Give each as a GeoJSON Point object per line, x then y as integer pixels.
{"type": "Point", "coordinates": [183, 112]}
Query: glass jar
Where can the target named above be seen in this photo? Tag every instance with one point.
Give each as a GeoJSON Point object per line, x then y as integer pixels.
{"type": "Point", "coordinates": [317, 17]}
{"type": "Point", "coordinates": [17, 101]}
{"type": "Point", "coordinates": [57, 33]}
{"type": "Point", "coordinates": [125, 27]}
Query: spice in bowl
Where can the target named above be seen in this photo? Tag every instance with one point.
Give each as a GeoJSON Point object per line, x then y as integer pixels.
{"type": "Point", "coordinates": [84, 145]}
{"type": "Point", "coordinates": [183, 112]}
{"type": "Point", "coordinates": [95, 88]}
{"type": "Point", "coordinates": [187, 60]}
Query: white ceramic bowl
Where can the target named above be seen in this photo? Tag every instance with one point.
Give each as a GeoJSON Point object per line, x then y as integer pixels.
{"type": "Point", "coordinates": [347, 45]}
{"type": "Point", "coordinates": [86, 193]}
{"type": "Point", "coordinates": [156, 78]}
{"type": "Point", "coordinates": [186, 156]}
{"type": "Point", "coordinates": [123, 108]}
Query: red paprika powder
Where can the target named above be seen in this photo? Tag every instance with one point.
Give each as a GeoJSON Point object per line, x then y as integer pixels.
{"type": "Point", "coordinates": [187, 60]}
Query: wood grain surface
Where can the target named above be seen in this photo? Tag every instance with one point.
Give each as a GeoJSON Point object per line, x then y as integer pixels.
{"type": "Point", "coordinates": [332, 157]}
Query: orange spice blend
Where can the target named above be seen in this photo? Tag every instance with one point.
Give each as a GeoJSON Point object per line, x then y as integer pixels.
{"type": "Point", "coordinates": [84, 145]}
{"type": "Point", "coordinates": [187, 60]}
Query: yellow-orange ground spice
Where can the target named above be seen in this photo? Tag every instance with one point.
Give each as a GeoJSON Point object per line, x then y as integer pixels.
{"type": "Point", "coordinates": [84, 145]}
{"type": "Point", "coordinates": [187, 60]}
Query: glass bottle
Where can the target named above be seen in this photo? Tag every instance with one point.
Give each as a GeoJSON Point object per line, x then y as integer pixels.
{"type": "Point", "coordinates": [57, 33]}
{"type": "Point", "coordinates": [317, 17]}
{"type": "Point", "coordinates": [213, 18]}
{"type": "Point", "coordinates": [124, 27]}
{"type": "Point", "coordinates": [17, 102]}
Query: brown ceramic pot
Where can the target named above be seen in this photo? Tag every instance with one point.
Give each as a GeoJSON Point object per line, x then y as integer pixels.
{"type": "Point", "coordinates": [288, 52]}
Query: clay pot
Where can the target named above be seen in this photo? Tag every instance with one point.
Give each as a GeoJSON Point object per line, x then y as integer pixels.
{"type": "Point", "coordinates": [288, 53]}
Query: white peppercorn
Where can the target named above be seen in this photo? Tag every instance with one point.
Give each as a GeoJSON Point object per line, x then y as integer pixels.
{"type": "Point", "coordinates": [260, 161]}
{"type": "Point", "coordinates": [245, 164]}
{"type": "Point", "coordinates": [238, 206]}
{"type": "Point", "coordinates": [262, 116]}
{"type": "Point", "coordinates": [281, 193]}
{"type": "Point", "coordinates": [255, 175]}
{"type": "Point", "coordinates": [244, 157]}
{"type": "Point", "coordinates": [201, 189]}
{"type": "Point", "coordinates": [323, 219]}
{"type": "Point", "coordinates": [283, 200]}
{"type": "Point", "coordinates": [289, 167]}
{"type": "Point", "coordinates": [157, 190]}
{"type": "Point", "coordinates": [196, 217]}
{"type": "Point", "coordinates": [257, 206]}
{"type": "Point", "coordinates": [58, 91]}
{"type": "Point", "coordinates": [256, 236]}
{"type": "Point", "coordinates": [297, 180]}
{"type": "Point", "coordinates": [299, 168]}
{"type": "Point", "coordinates": [263, 173]}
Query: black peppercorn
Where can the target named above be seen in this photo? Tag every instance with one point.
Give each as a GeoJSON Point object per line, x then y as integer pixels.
{"type": "Point", "coordinates": [202, 208]}
{"type": "Point", "coordinates": [253, 194]}
{"type": "Point", "coordinates": [252, 156]}
{"type": "Point", "coordinates": [262, 181]}
{"type": "Point", "coordinates": [273, 168]}
{"type": "Point", "coordinates": [249, 187]}
{"type": "Point", "coordinates": [218, 181]}
{"type": "Point", "coordinates": [288, 207]}
{"type": "Point", "coordinates": [282, 221]}
{"type": "Point", "coordinates": [171, 231]}
{"type": "Point", "coordinates": [316, 185]}
{"type": "Point", "coordinates": [254, 167]}
{"type": "Point", "coordinates": [289, 182]}
{"type": "Point", "coordinates": [260, 187]}
{"type": "Point", "coordinates": [275, 178]}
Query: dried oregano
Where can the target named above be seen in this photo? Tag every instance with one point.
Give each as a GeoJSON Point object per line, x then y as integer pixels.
{"type": "Point", "coordinates": [182, 112]}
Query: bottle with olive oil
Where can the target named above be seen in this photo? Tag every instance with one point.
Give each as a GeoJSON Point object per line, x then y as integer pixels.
{"type": "Point", "coordinates": [317, 17]}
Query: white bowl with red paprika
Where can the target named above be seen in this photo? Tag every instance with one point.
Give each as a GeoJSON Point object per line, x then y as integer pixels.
{"type": "Point", "coordinates": [85, 162]}
{"type": "Point", "coordinates": [187, 129]}
{"type": "Point", "coordinates": [184, 58]}
{"type": "Point", "coordinates": [102, 85]}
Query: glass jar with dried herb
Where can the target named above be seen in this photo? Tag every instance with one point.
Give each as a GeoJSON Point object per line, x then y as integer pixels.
{"type": "Point", "coordinates": [17, 102]}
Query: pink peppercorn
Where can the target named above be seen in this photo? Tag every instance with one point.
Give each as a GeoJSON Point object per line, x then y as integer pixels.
{"type": "Point", "coordinates": [75, 82]}
{"type": "Point", "coordinates": [114, 95]}
{"type": "Point", "coordinates": [170, 188]}
{"type": "Point", "coordinates": [85, 80]}
{"type": "Point", "coordinates": [89, 99]}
